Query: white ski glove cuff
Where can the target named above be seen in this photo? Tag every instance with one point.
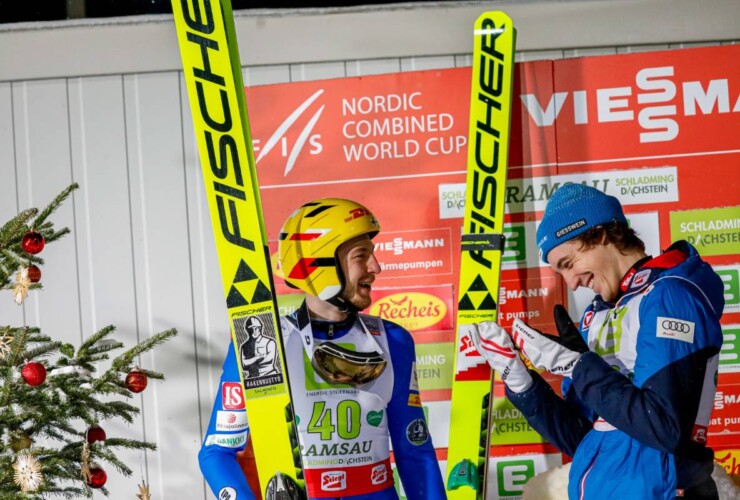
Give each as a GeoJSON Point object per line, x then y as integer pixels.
{"type": "Point", "coordinates": [543, 352]}
{"type": "Point", "coordinates": [495, 345]}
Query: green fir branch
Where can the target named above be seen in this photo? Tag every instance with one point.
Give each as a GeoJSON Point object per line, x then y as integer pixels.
{"type": "Point", "coordinates": [123, 362]}
{"type": "Point", "coordinates": [42, 350]}
{"type": "Point", "coordinates": [88, 344]}
{"type": "Point", "coordinates": [13, 230]}
{"type": "Point", "coordinates": [54, 204]}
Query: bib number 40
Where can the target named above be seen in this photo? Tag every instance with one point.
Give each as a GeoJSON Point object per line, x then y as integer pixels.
{"type": "Point", "coordinates": [345, 420]}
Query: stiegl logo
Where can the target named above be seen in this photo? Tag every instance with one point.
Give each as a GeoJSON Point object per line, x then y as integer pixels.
{"type": "Point", "coordinates": [333, 480]}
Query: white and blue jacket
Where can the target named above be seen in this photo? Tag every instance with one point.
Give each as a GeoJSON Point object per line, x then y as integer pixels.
{"type": "Point", "coordinates": [636, 410]}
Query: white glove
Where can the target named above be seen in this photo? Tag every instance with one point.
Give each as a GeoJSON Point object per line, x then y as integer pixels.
{"type": "Point", "coordinates": [543, 352]}
{"type": "Point", "coordinates": [494, 344]}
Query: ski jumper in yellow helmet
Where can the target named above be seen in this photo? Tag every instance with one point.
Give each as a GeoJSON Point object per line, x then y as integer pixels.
{"type": "Point", "coordinates": [309, 240]}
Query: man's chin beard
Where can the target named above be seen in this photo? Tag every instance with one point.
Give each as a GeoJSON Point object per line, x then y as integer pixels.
{"type": "Point", "coordinates": [360, 303]}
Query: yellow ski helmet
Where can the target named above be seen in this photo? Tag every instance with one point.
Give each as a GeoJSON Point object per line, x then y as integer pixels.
{"type": "Point", "coordinates": [309, 240]}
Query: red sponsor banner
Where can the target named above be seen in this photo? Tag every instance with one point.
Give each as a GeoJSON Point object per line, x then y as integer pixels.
{"type": "Point", "coordinates": [416, 309]}
{"type": "Point", "coordinates": [531, 300]}
{"type": "Point", "coordinates": [724, 428]}
{"type": "Point", "coordinates": [658, 130]}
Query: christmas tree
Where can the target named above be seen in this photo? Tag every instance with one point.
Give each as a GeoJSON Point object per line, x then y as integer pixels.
{"type": "Point", "coordinates": [53, 396]}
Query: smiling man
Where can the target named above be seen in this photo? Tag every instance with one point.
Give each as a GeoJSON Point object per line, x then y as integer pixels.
{"type": "Point", "coordinates": [352, 376]}
{"type": "Point", "coordinates": [640, 371]}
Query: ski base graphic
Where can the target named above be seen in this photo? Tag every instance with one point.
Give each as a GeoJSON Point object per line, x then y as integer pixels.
{"type": "Point", "coordinates": [212, 71]}
{"type": "Point", "coordinates": [482, 245]}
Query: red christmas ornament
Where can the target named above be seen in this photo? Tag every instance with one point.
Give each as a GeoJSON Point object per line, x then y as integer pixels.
{"type": "Point", "coordinates": [136, 380]}
{"type": "Point", "coordinates": [94, 433]}
{"type": "Point", "coordinates": [34, 273]}
{"type": "Point", "coordinates": [33, 242]}
{"type": "Point", "coordinates": [33, 373]}
{"type": "Point", "coordinates": [97, 478]}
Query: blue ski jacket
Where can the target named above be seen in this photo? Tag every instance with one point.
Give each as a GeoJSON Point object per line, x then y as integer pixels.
{"type": "Point", "coordinates": [635, 413]}
{"type": "Point", "coordinates": [414, 454]}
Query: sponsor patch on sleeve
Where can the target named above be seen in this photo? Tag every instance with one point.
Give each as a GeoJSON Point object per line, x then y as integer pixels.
{"type": "Point", "coordinates": [227, 440]}
{"type": "Point", "coordinates": [414, 384]}
{"type": "Point", "coordinates": [227, 493]}
{"type": "Point", "coordinates": [415, 399]}
{"type": "Point", "coordinates": [674, 328]}
{"type": "Point", "coordinates": [231, 420]}
{"type": "Point", "coordinates": [232, 396]}
{"type": "Point", "coordinates": [417, 432]}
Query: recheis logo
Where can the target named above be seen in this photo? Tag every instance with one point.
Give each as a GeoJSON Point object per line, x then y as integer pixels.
{"type": "Point", "coordinates": [412, 310]}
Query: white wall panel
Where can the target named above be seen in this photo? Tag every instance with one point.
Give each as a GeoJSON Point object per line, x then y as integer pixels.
{"type": "Point", "coordinates": [211, 325]}
{"type": "Point", "coordinates": [102, 210]}
{"type": "Point", "coordinates": [427, 62]}
{"type": "Point", "coordinates": [10, 312]}
{"type": "Point", "coordinates": [316, 71]}
{"type": "Point", "coordinates": [162, 272]}
{"type": "Point", "coordinates": [42, 157]}
{"type": "Point", "coordinates": [372, 67]}
{"type": "Point", "coordinates": [264, 75]}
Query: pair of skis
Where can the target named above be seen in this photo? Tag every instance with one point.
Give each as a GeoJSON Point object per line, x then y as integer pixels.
{"type": "Point", "coordinates": [213, 77]}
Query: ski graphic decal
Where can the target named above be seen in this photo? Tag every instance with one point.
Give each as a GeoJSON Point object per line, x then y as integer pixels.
{"type": "Point", "coordinates": [212, 70]}
{"type": "Point", "coordinates": [482, 245]}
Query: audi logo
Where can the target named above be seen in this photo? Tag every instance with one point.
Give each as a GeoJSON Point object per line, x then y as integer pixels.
{"type": "Point", "coordinates": [676, 326]}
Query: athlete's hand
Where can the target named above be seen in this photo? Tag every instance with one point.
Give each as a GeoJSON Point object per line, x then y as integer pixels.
{"type": "Point", "coordinates": [543, 351]}
{"type": "Point", "coordinates": [569, 337]}
{"type": "Point", "coordinates": [494, 344]}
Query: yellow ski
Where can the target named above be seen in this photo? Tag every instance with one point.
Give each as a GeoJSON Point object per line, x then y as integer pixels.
{"type": "Point", "coordinates": [482, 245]}
{"type": "Point", "coordinates": [210, 57]}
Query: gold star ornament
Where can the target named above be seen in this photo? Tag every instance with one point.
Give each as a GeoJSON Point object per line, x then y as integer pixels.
{"type": "Point", "coordinates": [22, 282]}
{"type": "Point", "coordinates": [27, 473]}
{"type": "Point", "coordinates": [144, 491]}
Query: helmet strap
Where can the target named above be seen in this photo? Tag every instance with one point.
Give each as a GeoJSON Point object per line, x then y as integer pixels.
{"type": "Point", "coordinates": [343, 304]}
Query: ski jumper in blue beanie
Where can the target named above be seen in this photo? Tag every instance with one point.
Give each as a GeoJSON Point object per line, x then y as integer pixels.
{"type": "Point", "coordinates": [573, 210]}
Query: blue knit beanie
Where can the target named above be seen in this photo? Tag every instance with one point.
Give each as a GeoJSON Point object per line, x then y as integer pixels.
{"type": "Point", "coordinates": [574, 209]}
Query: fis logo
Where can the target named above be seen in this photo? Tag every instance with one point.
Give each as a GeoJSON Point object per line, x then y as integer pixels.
{"type": "Point", "coordinates": [279, 139]}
